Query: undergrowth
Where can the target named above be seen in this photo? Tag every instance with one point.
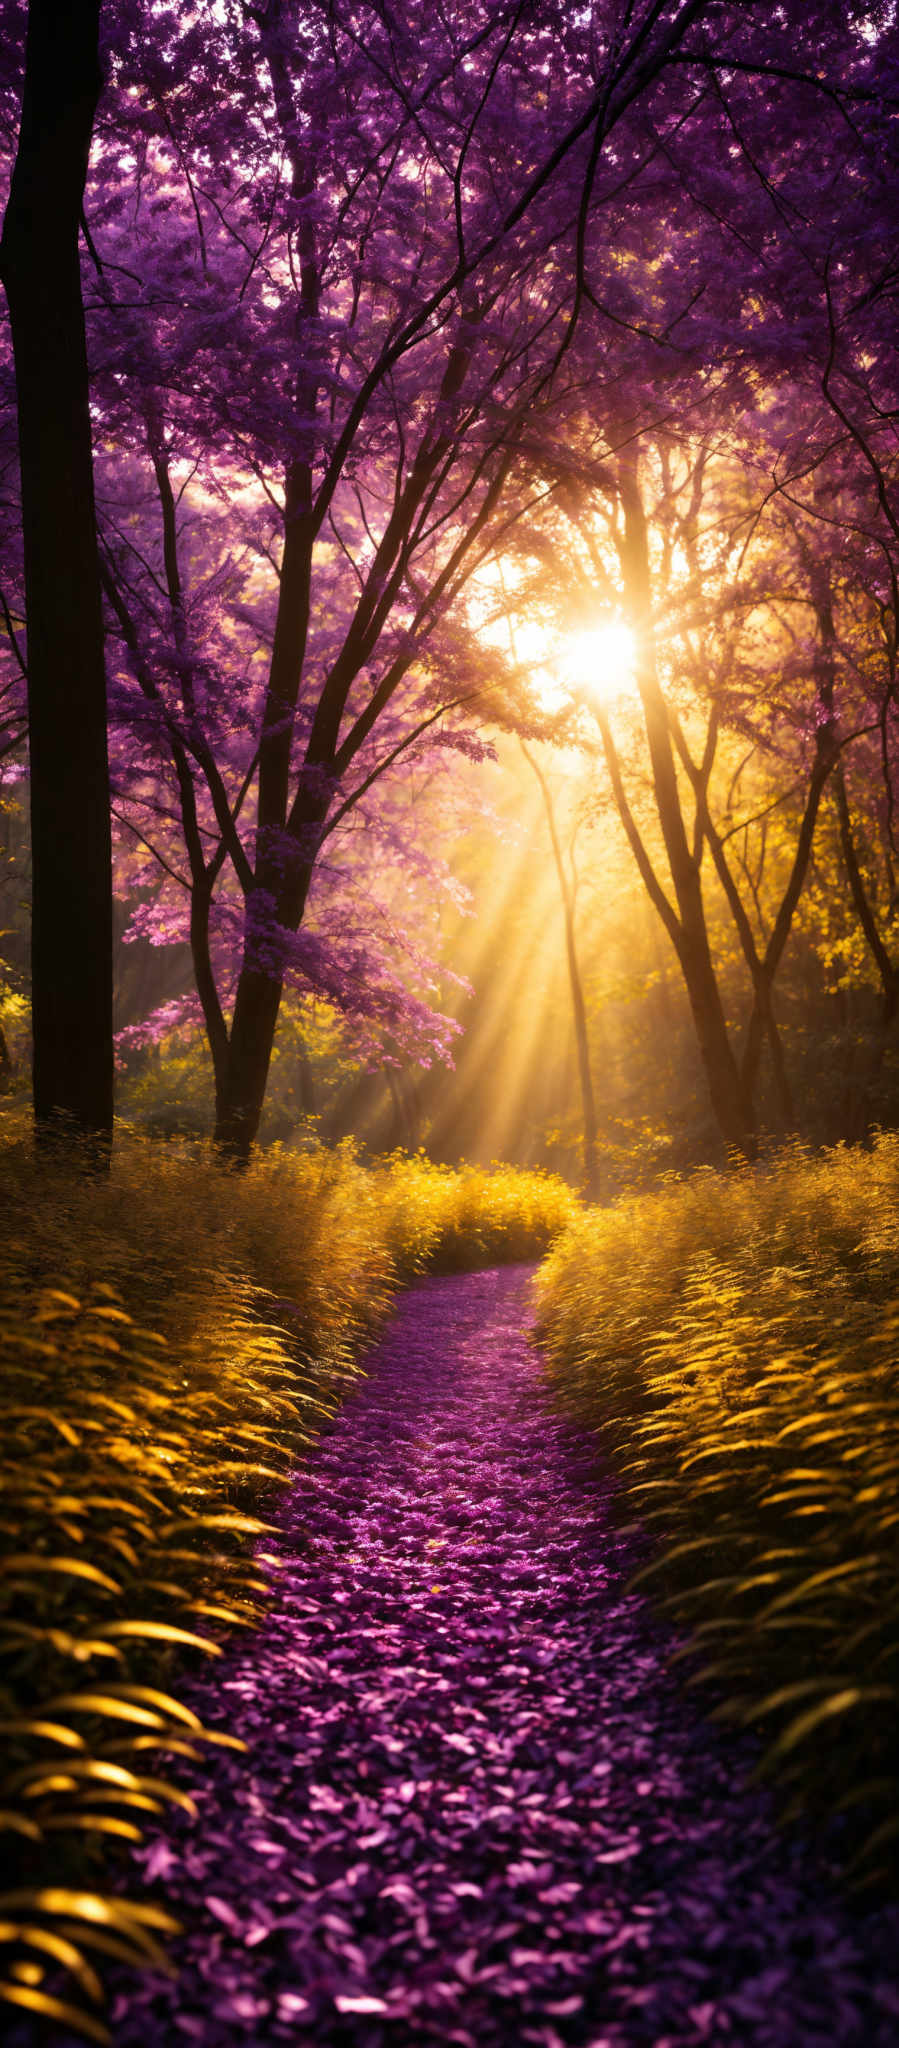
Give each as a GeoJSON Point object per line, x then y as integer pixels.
{"type": "Point", "coordinates": [171, 1339]}
{"type": "Point", "coordinates": [733, 1343]}
{"type": "Point", "coordinates": [451, 1220]}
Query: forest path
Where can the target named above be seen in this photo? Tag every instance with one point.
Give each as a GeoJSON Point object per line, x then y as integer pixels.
{"type": "Point", "coordinates": [477, 1808]}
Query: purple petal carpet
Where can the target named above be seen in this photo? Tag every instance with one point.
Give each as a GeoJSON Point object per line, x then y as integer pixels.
{"type": "Point", "coordinates": [478, 1808]}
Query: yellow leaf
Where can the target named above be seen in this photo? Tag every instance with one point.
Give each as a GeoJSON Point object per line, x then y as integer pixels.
{"type": "Point", "coordinates": [173, 1745]}
{"type": "Point", "coordinates": [853, 1568]}
{"type": "Point", "coordinates": [163, 1790]}
{"type": "Point", "coordinates": [234, 1616]}
{"type": "Point", "coordinates": [56, 2009]}
{"type": "Point", "coordinates": [73, 1567]}
{"type": "Point", "coordinates": [70, 1903]}
{"type": "Point", "coordinates": [163, 1632]}
{"type": "Point", "coordinates": [146, 1694]}
{"type": "Point", "coordinates": [49, 1731]}
{"type": "Point", "coordinates": [35, 1779]}
{"type": "Point", "coordinates": [46, 1415]}
{"type": "Point", "coordinates": [826, 1710]}
{"type": "Point", "coordinates": [221, 1741]}
{"type": "Point", "coordinates": [108, 1705]}
{"type": "Point", "coordinates": [96, 1824]}
{"type": "Point", "coordinates": [17, 1824]}
{"type": "Point", "coordinates": [139, 1801]}
{"type": "Point", "coordinates": [786, 1694]}
{"type": "Point", "coordinates": [245, 1524]}
{"type": "Point", "coordinates": [62, 1951]}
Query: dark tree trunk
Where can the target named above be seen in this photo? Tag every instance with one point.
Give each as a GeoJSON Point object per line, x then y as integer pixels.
{"type": "Point", "coordinates": [72, 880]}
{"type": "Point", "coordinates": [763, 1024]}
{"type": "Point", "coordinates": [889, 979]}
{"type": "Point", "coordinates": [763, 966]}
{"type": "Point", "coordinates": [242, 1091]}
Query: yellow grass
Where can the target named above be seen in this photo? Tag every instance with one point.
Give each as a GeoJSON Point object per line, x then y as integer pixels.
{"type": "Point", "coordinates": [170, 1341]}
{"type": "Point", "coordinates": [733, 1343]}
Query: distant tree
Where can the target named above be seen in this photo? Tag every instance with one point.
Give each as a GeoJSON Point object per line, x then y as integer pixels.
{"type": "Point", "coordinates": [717, 675]}
{"type": "Point", "coordinates": [734, 345]}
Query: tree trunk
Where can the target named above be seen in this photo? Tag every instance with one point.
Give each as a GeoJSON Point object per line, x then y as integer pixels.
{"type": "Point", "coordinates": [72, 871]}
{"type": "Point", "coordinates": [576, 989]}
{"type": "Point", "coordinates": [858, 1111]}
{"type": "Point", "coordinates": [242, 1091]}
{"type": "Point", "coordinates": [5, 1063]}
{"type": "Point", "coordinates": [306, 1078]}
{"type": "Point", "coordinates": [241, 1083]}
{"type": "Point", "coordinates": [889, 979]}
{"type": "Point", "coordinates": [588, 1100]}
{"type": "Point", "coordinates": [733, 1114]}
{"type": "Point", "coordinates": [402, 1138]}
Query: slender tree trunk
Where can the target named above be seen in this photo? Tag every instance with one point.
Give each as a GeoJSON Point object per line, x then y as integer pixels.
{"type": "Point", "coordinates": [763, 966]}
{"type": "Point", "coordinates": [889, 978]}
{"type": "Point", "coordinates": [201, 960]}
{"type": "Point", "coordinates": [733, 1113]}
{"type": "Point", "coordinates": [576, 987]}
{"type": "Point", "coordinates": [403, 1137]}
{"type": "Point", "coordinates": [306, 1076]}
{"type": "Point", "coordinates": [5, 1063]}
{"type": "Point", "coordinates": [857, 1091]}
{"type": "Point", "coordinates": [72, 876]}
{"type": "Point", "coordinates": [859, 1098]}
{"type": "Point", "coordinates": [588, 1100]}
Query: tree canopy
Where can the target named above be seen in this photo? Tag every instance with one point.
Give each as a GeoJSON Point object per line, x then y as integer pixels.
{"type": "Point", "coordinates": [406, 328]}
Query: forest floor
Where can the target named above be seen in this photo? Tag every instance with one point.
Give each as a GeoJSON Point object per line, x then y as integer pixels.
{"type": "Point", "coordinates": [479, 1806]}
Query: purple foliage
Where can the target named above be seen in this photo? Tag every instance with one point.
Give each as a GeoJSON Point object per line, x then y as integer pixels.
{"type": "Point", "coordinates": [356, 326]}
{"type": "Point", "coordinates": [478, 1807]}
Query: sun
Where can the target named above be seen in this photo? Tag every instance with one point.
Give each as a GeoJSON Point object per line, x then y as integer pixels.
{"type": "Point", "coordinates": [588, 664]}
{"type": "Point", "coordinates": [598, 662]}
